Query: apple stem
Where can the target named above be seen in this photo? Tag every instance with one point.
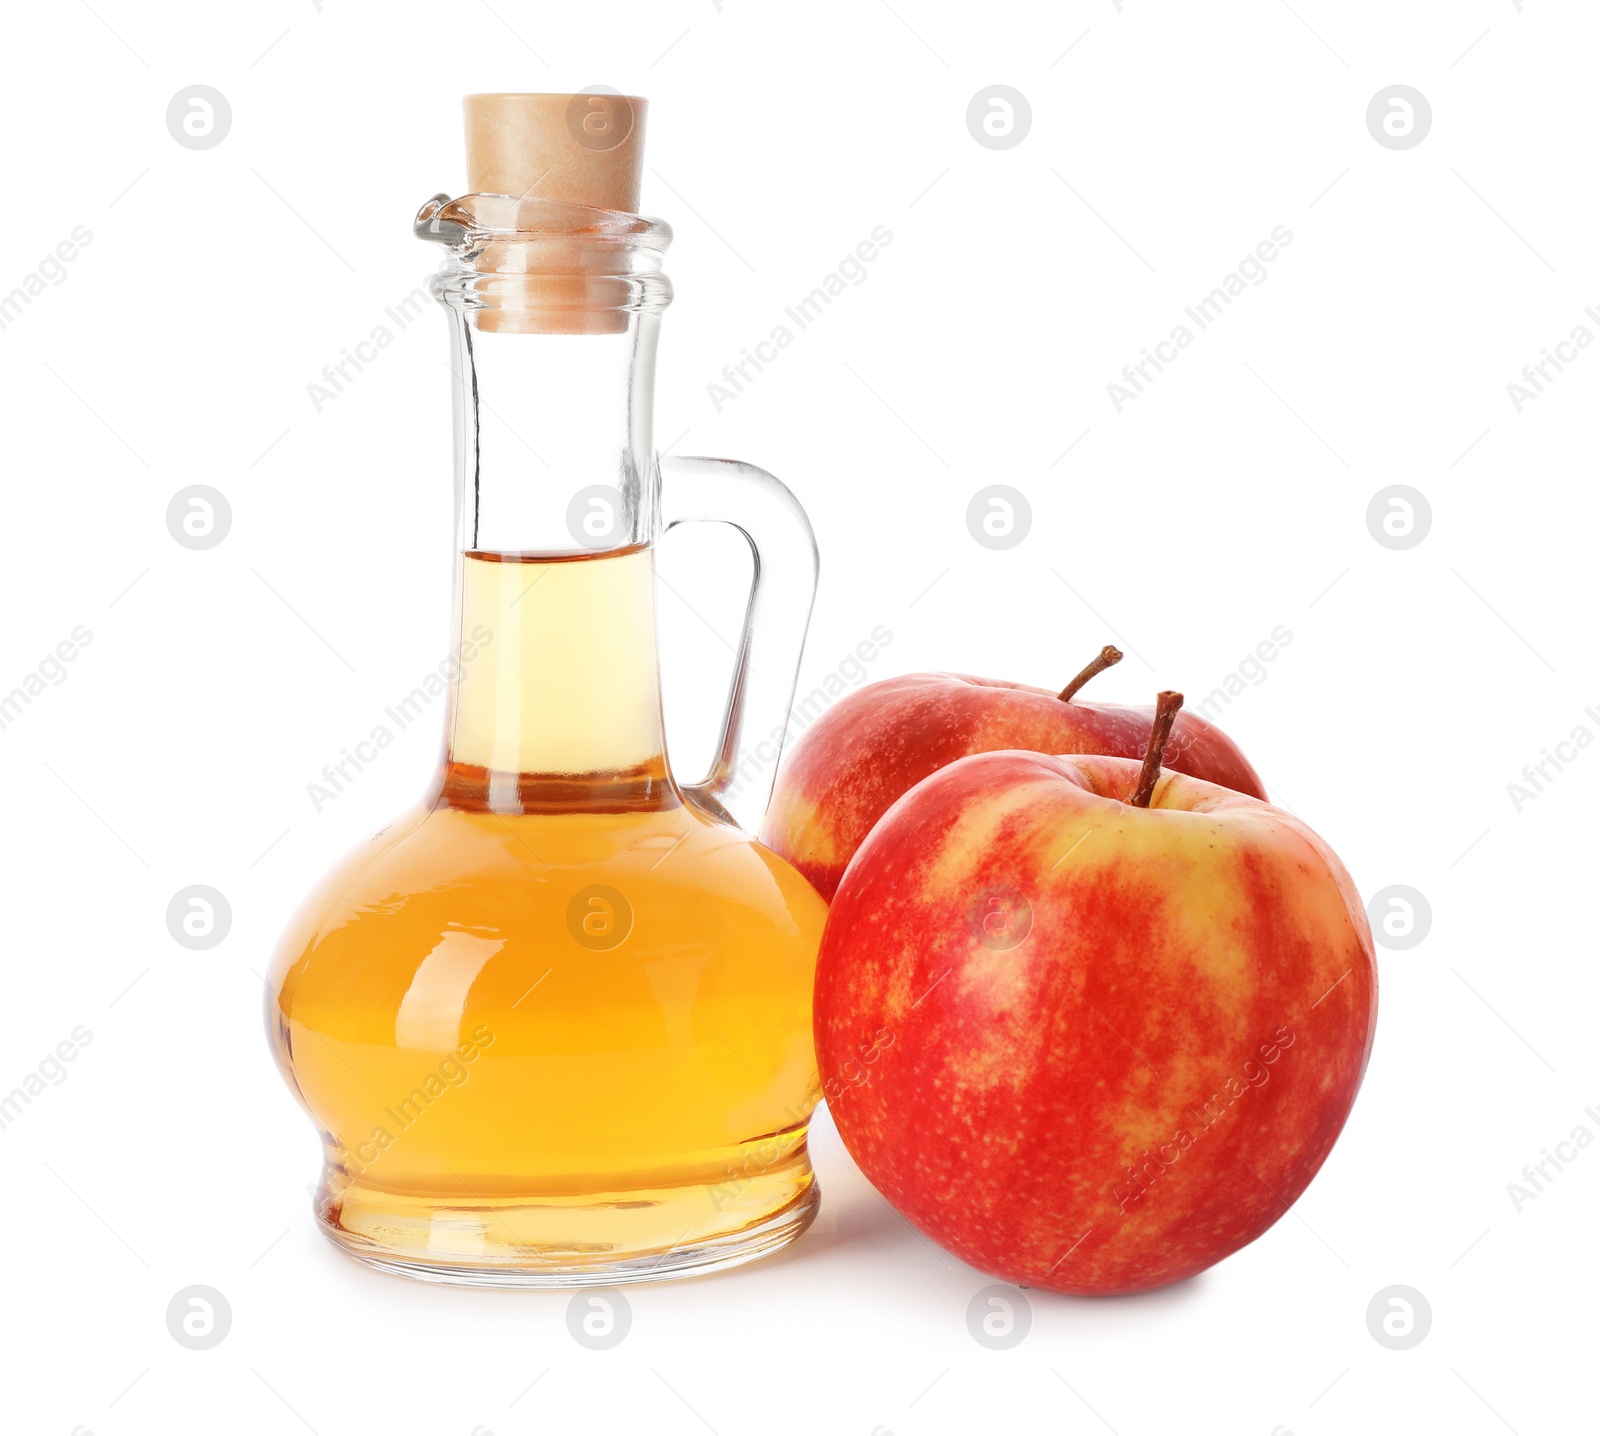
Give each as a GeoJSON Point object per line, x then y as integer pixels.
{"type": "Point", "coordinates": [1107, 658]}
{"type": "Point", "coordinates": [1167, 705]}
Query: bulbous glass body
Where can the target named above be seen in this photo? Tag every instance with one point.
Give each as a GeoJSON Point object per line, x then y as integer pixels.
{"type": "Point", "coordinates": [556, 1043]}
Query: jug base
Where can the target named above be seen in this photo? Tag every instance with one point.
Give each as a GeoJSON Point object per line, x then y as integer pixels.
{"type": "Point", "coordinates": [518, 1243]}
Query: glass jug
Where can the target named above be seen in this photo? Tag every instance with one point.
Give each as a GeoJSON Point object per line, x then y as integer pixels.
{"type": "Point", "coordinates": [554, 1024]}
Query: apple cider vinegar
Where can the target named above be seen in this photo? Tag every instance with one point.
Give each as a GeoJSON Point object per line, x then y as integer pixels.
{"type": "Point", "coordinates": [554, 1025]}
{"type": "Point", "coordinates": [554, 1017]}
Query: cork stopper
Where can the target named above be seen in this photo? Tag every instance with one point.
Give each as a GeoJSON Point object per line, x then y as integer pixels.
{"type": "Point", "coordinates": [583, 149]}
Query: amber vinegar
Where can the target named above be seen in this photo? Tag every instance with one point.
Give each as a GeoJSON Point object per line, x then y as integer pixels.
{"type": "Point", "coordinates": [555, 1013]}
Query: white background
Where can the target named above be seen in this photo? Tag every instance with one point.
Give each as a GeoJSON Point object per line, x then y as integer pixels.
{"type": "Point", "coordinates": [1167, 140]}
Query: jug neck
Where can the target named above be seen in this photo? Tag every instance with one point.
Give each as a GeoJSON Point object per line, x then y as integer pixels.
{"type": "Point", "coordinates": [554, 313]}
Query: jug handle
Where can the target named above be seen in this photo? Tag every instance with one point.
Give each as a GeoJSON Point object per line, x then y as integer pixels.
{"type": "Point", "coordinates": [782, 590]}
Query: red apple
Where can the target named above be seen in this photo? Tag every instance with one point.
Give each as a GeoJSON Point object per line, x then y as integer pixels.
{"type": "Point", "coordinates": [885, 738]}
{"type": "Point", "coordinates": [1088, 1045]}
